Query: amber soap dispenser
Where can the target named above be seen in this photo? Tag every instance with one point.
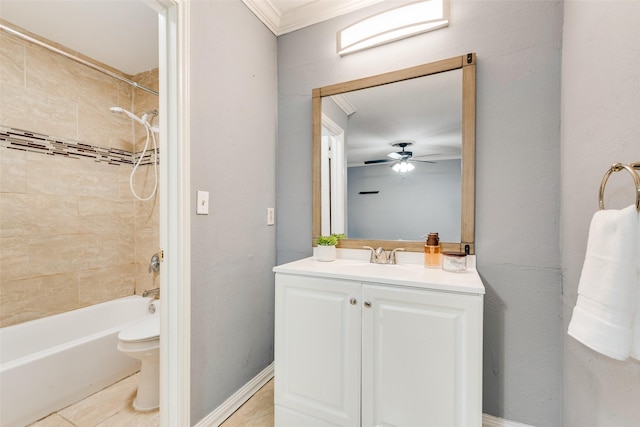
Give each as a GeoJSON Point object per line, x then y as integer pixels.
{"type": "Point", "coordinates": [432, 250]}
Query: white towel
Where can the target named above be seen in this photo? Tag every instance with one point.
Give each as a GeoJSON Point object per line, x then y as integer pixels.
{"type": "Point", "coordinates": [608, 306]}
{"type": "Point", "coordinates": [635, 345]}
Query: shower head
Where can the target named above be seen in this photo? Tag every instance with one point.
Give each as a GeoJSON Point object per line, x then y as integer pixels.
{"type": "Point", "coordinates": [128, 113]}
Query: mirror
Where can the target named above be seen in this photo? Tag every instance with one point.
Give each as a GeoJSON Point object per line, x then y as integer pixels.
{"type": "Point", "coordinates": [363, 128]}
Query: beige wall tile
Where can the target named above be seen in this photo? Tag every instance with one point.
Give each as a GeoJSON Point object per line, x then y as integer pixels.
{"type": "Point", "coordinates": [106, 283]}
{"type": "Point", "coordinates": [98, 250]}
{"type": "Point", "coordinates": [37, 214]}
{"type": "Point", "coordinates": [35, 297]}
{"type": "Point", "coordinates": [81, 177]}
{"type": "Point", "coordinates": [58, 76]}
{"type": "Point", "coordinates": [105, 216]}
{"type": "Point", "coordinates": [101, 127]}
{"type": "Point", "coordinates": [13, 172]}
{"type": "Point", "coordinates": [147, 244]}
{"type": "Point", "coordinates": [29, 109]}
{"type": "Point", "coordinates": [14, 258]}
{"type": "Point", "coordinates": [124, 192]}
{"type": "Point", "coordinates": [147, 215]}
{"type": "Point", "coordinates": [12, 54]}
{"type": "Point", "coordinates": [125, 96]}
{"type": "Point", "coordinates": [71, 253]}
{"type": "Point", "coordinates": [55, 254]}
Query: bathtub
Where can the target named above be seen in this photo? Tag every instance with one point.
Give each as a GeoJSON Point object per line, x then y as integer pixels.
{"type": "Point", "coordinates": [50, 363]}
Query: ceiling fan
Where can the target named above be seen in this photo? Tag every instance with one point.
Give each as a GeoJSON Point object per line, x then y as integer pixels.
{"type": "Point", "coordinates": [400, 156]}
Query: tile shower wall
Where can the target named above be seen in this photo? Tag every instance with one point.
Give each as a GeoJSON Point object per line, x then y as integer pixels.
{"type": "Point", "coordinates": [71, 234]}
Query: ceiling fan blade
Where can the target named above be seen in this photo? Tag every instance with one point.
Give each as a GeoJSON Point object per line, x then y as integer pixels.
{"type": "Point", "coordinates": [372, 162]}
{"type": "Point", "coordinates": [421, 161]}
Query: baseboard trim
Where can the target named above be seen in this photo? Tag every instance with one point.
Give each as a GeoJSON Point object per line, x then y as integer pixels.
{"type": "Point", "coordinates": [224, 411]}
{"type": "Point", "coordinates": [491, 421]}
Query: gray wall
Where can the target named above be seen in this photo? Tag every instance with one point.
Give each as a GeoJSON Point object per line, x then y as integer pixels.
{"type": "Point", "coordinates": [600, 116]}
{"type": "Point", "coordinates": [408, 205]}
{"type": "Point", "coordinates": [233, 144]}
{"type": "Point", "coordinates": [518, 46]}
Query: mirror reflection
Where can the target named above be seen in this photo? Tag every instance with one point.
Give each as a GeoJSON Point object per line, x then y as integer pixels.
{"type": "Point", "coordinates": [394, 156]}
{"type": "Point", "coordinates": [402, 145]}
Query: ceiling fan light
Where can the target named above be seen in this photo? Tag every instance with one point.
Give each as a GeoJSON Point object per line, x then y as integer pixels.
{"type": "Point", "coordinates": [403, 166]}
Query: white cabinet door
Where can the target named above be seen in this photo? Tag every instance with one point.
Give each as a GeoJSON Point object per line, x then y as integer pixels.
{"type": "Point", "coordinates": [317, 352]}
{"type": "Point", "coordinates": [421, 358]}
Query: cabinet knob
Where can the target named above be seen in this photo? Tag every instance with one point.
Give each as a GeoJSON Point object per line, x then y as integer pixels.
{"type": "Point", "coordinates": [353, 301]}
{"type": "Point", "coordinates": [367, 304]}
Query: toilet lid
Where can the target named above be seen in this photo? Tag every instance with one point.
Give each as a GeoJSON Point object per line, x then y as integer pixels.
{"type": "Point", "coordinates": [148, 328]}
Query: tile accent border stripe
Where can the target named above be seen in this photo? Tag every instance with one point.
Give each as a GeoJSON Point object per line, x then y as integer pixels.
{"type": "Point", "coordinates": [23, 140]}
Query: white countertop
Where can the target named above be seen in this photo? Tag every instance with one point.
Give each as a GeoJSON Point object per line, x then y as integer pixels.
{"type": "Point", "coordinates": [412, 275]}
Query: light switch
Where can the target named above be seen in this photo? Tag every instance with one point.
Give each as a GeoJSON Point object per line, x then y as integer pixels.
{"type": "Point", "coordinates": [202, 207]}
{"type": "Point", "coordinates": [271, 216]}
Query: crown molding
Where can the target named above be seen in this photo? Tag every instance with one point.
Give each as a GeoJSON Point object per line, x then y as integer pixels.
{"type": "Point", "coordinates": [266, 12]}
{"type": "Point", "coordinates": [309, 13]}
{"type": "Point", "coordinates": [343, 102]}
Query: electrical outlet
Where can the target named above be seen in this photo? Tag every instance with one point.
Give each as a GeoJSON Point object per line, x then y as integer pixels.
{"type": "Point", "coordinates": [271, 216]}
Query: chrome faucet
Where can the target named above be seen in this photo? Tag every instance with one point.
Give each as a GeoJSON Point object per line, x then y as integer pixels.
{"type": "Point", "coordinates": [149, 292]}
{"type": "Point", "coordinates": [380, 256]}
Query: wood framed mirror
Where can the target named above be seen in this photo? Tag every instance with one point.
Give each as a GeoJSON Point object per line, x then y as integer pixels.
{"type": "Point", "coordinates": [460, 139]}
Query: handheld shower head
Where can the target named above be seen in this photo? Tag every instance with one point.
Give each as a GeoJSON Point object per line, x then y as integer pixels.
{"type": "Point", "coordinates": [128, 113]}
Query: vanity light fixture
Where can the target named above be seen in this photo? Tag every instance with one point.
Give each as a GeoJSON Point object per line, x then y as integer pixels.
{"type": "Point", "coordinates": [403, 166]}
{"type": "Point", "coordinates": [394, 24]}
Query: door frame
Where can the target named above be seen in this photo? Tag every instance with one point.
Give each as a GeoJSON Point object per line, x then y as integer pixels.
{"type": "Point", "coordinates": [175, 229]}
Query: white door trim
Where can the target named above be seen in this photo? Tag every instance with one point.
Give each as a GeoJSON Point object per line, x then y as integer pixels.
{"type": "Point", "coordinates": [175, 281]}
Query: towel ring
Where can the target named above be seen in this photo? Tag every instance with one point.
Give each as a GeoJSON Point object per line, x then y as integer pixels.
{"type": "Point", "coordinates": [616, 167]}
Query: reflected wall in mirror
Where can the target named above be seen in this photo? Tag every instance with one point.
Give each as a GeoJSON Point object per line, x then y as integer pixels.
{"type": "Point", "coordinates": [394, 157]}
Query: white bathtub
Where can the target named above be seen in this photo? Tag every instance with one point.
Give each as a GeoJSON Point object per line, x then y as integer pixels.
{"type": "Point", "coordinates": [50, 363]}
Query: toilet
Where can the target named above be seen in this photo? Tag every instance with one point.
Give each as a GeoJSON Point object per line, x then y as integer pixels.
{"type": "Point", "coordinates": [141, 340]}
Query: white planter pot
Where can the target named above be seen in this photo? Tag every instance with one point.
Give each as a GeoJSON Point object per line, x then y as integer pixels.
{"type": "Point", "coordinates": [325, 253]}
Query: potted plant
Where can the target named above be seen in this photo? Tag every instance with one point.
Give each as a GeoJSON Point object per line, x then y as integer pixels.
{"type": "Point", "coordinates": [326, 249]}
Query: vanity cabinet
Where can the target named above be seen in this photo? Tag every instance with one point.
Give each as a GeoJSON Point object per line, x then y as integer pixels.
{"type": "Point", "coordinates": [361, 353]}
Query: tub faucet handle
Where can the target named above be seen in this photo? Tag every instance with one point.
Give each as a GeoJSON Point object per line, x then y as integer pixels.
{"type": "Point", "coordinates": [154, 264]}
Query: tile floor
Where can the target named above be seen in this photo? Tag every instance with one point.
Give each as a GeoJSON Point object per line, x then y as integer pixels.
{"type": "Point", "coordinates": [111, 407]}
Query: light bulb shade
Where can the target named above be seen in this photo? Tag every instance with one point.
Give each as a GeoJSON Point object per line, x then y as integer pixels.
{"type": "Point", "coordinates": [394, 24]}
{"type": "Point", "coordinates": [403, 166]}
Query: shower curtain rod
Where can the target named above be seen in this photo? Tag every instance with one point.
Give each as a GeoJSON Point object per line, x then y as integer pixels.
{"type": "Point", "coordinates": [75, 58]}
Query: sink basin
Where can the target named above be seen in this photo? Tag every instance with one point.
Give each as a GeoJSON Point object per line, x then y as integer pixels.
{"type": "Point", "coordinates": [367, 269]}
